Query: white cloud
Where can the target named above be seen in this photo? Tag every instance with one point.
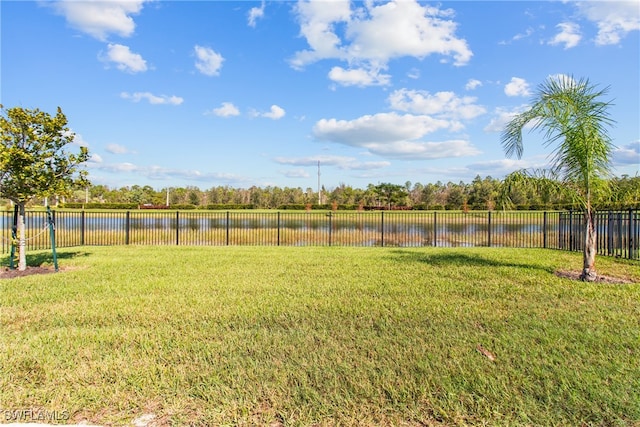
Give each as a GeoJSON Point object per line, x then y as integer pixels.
{"type": "Point", "coordinates": [227, 109]}
{"type": "Point", "coordinates": [393, 135]}
{"type": "Point", "coordinates": [317, 20]}
{"type": "Point", "coordinates": [256, 13]}
{"type": "Point", "coordinates": [208, 61]}
{"type": "Point", "coordinates": [473, 84]}
{"type": "Point", "coordinates": [569, 35]}
{"type": "Point", "coordinates": [382, 127]}
{"type": "Point", "coordinates": [95, 158]}
{"type": "Point", "coordinates": [275, 113]}
{"type": "Point", "coordinates": [341, 162]}
{"type": "Point", "coordinates": [628, 155]}
{"type": "Point", "coordinates": [405, 28]}
{"type": "Point", "coordinates": [153, 99]}
{"type": "Point", "coordinates": [156, 172]}
{"type": "Point", "coordinates": [374, 34]}
{"type": "Point", "coordinates": [502, 167]}
{"type": "Point", "coordinates": [117, 149]}
{"type": "Point", "coordinates": [524, 35]}
{"type": "Point", "coordinates": [615, 19]}
{"type": "Point", "coordinates": [411, 150]}
{"type": "Point", "coordinates": [563, 79]}
{"type": "Point", "coordinates": [100, 18]}
{"type": "Point", "coordinates": [413, 73]}
{"type": "Point", "coordinates": [501, 117]}
{"type": "Point", "coordinates": [441, 104]}
{"type": "Point", "coordinates": [296, 173]}
{"type": "Point", "coordinates": [359, 77]}
{"type": "Point", "coordinates": [517, 87]}
{"type": "Point", "coordinates": [124, 59]}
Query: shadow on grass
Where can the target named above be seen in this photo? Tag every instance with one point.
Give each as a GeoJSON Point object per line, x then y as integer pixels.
{"type": "Point", "coordinates": [39, 259]}
{"type": "Point", "coordinates": [462, 260]}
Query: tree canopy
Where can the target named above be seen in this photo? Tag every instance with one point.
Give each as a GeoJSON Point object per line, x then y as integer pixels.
{"type": "Point", "coordinates": [34, 161]}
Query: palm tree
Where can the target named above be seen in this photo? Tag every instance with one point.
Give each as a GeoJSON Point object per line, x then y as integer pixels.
{"type": "Point", "coordinates": [569, 114]}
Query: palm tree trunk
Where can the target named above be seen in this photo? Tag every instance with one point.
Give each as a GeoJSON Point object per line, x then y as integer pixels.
{"type": "Point", "coordinates": [589, 253]}
{"type": "Point", "coordinates": [22, 241]}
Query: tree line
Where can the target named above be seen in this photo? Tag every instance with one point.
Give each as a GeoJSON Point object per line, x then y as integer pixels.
{"type": "Point", "coordinates": [516, 191]}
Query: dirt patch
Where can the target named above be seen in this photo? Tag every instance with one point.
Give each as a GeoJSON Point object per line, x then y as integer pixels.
{"type": "Point", "coordinates": [7, 273]}
{"type": "Point", "coordinates": [575, 275]}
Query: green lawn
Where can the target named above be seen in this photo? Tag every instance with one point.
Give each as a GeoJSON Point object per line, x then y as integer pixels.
{"type": "Point", "coordinates": [322, 336]}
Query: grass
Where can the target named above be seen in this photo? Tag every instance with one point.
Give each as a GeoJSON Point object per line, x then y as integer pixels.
{"type": "Point", "coordinates": [322, 336]}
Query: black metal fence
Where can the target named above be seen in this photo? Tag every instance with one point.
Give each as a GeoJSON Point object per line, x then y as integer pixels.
{"type": "Point", "coordinates": [618, 232]}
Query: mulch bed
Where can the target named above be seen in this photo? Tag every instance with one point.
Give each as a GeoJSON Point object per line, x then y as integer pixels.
{"type": "Point", "coordinates": [575, 275]}
{"type": "Point", "coordinates": [7, 273]}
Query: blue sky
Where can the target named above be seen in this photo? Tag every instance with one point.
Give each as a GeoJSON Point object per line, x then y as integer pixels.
{"type": "Point", "coordinates": [243, 93]}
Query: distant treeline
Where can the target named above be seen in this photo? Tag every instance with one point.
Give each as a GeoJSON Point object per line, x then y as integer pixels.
{"type": "Point", "coordinates": [524, 193]}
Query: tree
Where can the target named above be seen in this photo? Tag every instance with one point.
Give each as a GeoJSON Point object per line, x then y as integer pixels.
{"type": "Point", "coordinates": [391, 194]}
{"type": "Point", "coordinates": [34, 161]}
{"type": "Point", "coordinates": [482, 193]}
{"type": "Point", "coordinates": [571, 115]}
{"type": "Point", "coordinates": [455, 196]}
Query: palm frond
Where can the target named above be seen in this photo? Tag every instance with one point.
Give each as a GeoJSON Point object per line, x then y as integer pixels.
{"type": "Point", "coordinates": [575, 122]}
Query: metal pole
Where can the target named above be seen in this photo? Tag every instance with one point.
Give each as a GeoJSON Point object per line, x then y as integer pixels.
{"type": "Point", "coordinates": [544, 230]}
{"type": "Point", "coordinates": [177, 228]}
{"type": "Point", "coordinates": [489, 229]}
{"type": "Point", "coordinates": [630, 235]}
{"type": "Point", "coordinates": [82, 228]}
{"type": "Point", "coordinates": [278, 228]}
{"type": "Point", "coordinates": [14, 236]}
{"type": "Point", "coordinates": [227, 227]}
{"type": "Point", "coordinates": [52, 234]}
{"type": "Point", "coordinates": [382, 228]}
{"type": "Point", "coordinates": [570, 230]}
{"type": "Point", "coordinates": [330, 226]}
{"type": "Point", "coordinates": [127, 227]}
{"type": "Point", "coordinates": [435, 229]}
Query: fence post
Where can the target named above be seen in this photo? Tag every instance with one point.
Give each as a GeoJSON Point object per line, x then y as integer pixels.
{"type": "Point", "coordinates": [330, 215]}
{"type": "Point", "coordinates": [127, 226]}
{"type": "Point", "coordinates": [382, 228]}
{"type": "Point", "coordinates": [227, 228]}
{"type": "Point", "coordinates": [609, 234]}
{"type": "Point", "coordinates": [620, 235]}
{"type": "Point", "coordinates": [52, 237]}
{"type": "Point", "coordinates": [435, 229]}
{"type": "Point", "coordinates": [630, 235]}
{"type": "Point", "coordinates": [278, 228]}
{"type": "Point", "coordinates": [489, 229]}
{"type": "Point", "coordinates": [544, 229]}
{"type": "Point", "coordinates": [570, 230]}
{"type": "Point", "coordinates": [82, 228]}
{"type": "Point", "coordinates": [177, 228]}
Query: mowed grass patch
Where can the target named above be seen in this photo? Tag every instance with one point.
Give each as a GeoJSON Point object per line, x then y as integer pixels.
{"type": "Point", "coordinates": [323, 336]}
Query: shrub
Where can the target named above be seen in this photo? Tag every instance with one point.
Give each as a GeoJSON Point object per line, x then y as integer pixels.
{"type": "Point", "coordinates": [99, 205]}
{"type": "Point", "coordinates": [227, 207]}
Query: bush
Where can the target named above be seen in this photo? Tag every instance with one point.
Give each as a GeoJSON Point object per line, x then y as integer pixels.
{"type": "Point", "coordinates": [227, 207]}
{"type": "Point", "coordinates": [149, 206]}
{"type": "Point", "coordinates": [99, 205]}
{"type": "Point", "coordinates": [293, 207]}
